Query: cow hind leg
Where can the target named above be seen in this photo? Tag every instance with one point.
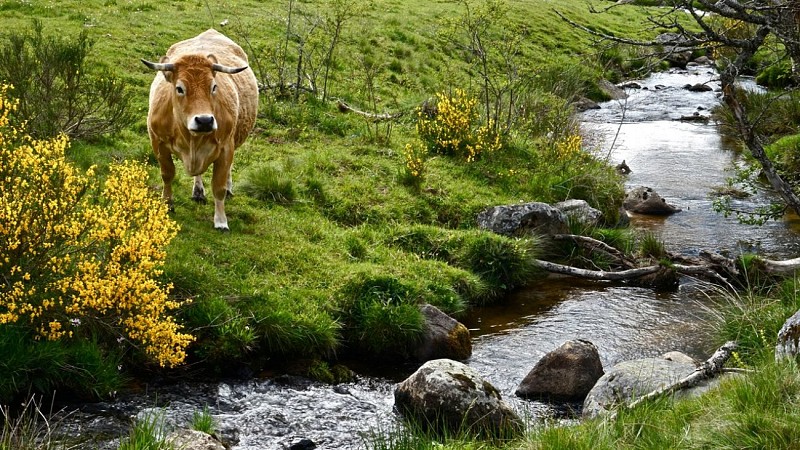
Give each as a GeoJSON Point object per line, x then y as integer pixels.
{"type": "Point", "coordinates": [198, 191]}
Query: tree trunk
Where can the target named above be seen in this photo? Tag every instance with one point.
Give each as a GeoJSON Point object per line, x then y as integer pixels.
{"type": "Point", "coordinates": [748, 135]}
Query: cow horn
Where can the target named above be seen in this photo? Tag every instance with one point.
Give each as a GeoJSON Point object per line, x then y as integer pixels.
{"type": "Point", "coordinates": [166, 67]}
{"type": "Point", "coordinates": [226, 69]}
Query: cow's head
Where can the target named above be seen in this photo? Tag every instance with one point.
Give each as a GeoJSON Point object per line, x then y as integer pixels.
{"type": "Point", "coordinates": [194, 88]}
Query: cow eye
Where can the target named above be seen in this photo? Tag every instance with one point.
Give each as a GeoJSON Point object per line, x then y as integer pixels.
{"type": "Point", "coordinates": [179, 90]}
{"type": "Point", "coordinates": [214, 89]}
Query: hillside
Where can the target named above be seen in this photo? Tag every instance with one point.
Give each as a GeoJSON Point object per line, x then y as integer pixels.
{"type": "Point", "coordinates": [333, 240]}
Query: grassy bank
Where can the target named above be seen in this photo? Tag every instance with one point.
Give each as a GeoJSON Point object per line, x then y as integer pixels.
{"type": "Point", "coordinates": [334, 237]}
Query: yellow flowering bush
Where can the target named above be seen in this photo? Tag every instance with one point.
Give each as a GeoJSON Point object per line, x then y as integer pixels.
{"type": "Point", "coordinates": [455, 128]}
{"type": "Point", "coordinates": [569, 147]}
{"type": "Point", "coordinates": [80, 256]}
{"type": "Point", "coordinates": [415, 154]}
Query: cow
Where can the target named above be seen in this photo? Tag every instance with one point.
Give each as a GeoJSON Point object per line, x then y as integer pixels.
{"type": "Point", "coordinates": [203, 105]}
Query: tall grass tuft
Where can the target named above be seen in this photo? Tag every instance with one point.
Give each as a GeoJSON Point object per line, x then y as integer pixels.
{"type": "Point", "coordinates": [148, 433]}
{"type": "Point", "coordinates": [203, 421]}
{"type": "Point", "coordinates": [269, 184]}
{"type": "Point", "coordinates": [31, 428]}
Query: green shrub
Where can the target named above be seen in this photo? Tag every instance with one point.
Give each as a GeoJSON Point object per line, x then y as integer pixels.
{"type": "Point", "coordinates": [502, 263]}
{"type": "Point", "coordinates": [59, 88]}
{"type": "Point", "coordinates": [30, 366]}
{"type": "Point", "coordinates": [293, 323]}
{"type": "Point", "coordinates": [383, 314]}
{"type": "Point", "coordinates": [776, 76]}
{"type": "Point", "coordinates": [148, 433]}
{"type": "Point", "coordinates": [203, 421]}
{"type": "Point", "coordinates": [455, 128]}
{"type": "Point", "coordinates": [269, 184]}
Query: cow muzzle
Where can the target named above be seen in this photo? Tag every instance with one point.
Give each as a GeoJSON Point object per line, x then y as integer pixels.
{"type": "Point", "coordinates": [202, 123]}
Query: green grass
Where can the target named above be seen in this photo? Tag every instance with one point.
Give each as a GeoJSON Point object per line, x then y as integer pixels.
{"type": "Point", "coordinates": [319, 198]}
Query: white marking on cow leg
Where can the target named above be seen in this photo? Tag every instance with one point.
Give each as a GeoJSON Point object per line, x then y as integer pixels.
{"type": "Point", "coordinates": [199, 192]}
{"type": "Point", "coordinates": [220, 220]}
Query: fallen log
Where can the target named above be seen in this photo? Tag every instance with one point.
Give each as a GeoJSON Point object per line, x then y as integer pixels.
{"type": "Point", "coordinates": [595, 245]}
{"type": "Point", "coordinates": [599, 275]}
{"type": "Point", "coordinates": [344, 107]}
{"type": "Point", "coordinates": [709, 369]}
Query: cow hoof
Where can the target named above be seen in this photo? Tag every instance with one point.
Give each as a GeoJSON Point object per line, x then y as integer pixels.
{"type": "Point", "coordinates": [200, 199]}
{"type": "Point", "coordinates": [223, 229]}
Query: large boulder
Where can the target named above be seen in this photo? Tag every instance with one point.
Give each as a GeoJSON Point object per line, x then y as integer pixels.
{"type": "Point", "coordinates": [629, 380]}
{"type": "Point", "coordinates": [567, 373]}
{"type": "Point", "coordinates": [185, 439]}
{"type": "Point", "coordinates": [676, 49]}
{"type": "Point", "coordinates": [444, 337]}
{"type": "Point", "coordinates": [450, 396]}
{"type": "Point", "coordinates": [523, 218]}
{"type": "Point", "coordinates": [611, 90]}
{"type": "Point", "coordinates": [580, 211]}
{"type": "Point", "coordinates": [789, 338]}
{"type": "Point", "coordinates": [644, 200]}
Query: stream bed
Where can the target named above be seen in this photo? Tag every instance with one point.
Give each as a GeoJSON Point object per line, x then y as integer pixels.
{"type": "Point", "coordinates": [682, 161]}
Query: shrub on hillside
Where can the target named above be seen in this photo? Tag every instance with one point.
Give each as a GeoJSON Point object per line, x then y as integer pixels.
{"type": "Point", "coordinates": [81, 259]}
{"type": "Point", "coordinates": [454, 127]}
{"type": "Point", "coordinates": [59, 90]}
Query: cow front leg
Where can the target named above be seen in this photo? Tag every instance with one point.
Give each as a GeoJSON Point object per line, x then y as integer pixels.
{"type": "Point", "coordinates": [198, 191]}
{"type": "Point", "coordinates": [219, 186]}
{"type": "Point", "coordinates": [229, 185]}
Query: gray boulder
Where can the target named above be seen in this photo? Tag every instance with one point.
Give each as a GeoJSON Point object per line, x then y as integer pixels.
{"type": "Point", "coordinates": [698, 87]}
{"type": "Point", "coordinates": [629, 380]}
{"type": "Point", "coordinates": [444, 337]}
{"type": "Point", "coordinates": [450, 396]}
{"type": "Point", "coordinates": [580, 211]}
{"type": "Point", "coordinates": [193, 440]}
{"type": "Point", "coordinates": [789, 338]}
{"type": "Point", "coordinates": [644, 200]}
{"type": "Point", "coordinates": [584, 104]}
{"type": "Point", "coordinates": [567, 373]}
{"type": "Point", "coordinates": [613, 91]}
{"type": "Point", "coordinates": [523, 218]}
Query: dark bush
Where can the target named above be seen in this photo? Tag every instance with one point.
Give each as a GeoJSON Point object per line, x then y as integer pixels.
{"type": "Point", "coordinates": [59, 89]}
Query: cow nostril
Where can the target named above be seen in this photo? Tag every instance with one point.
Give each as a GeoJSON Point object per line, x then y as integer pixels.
{"type": "Point", "coordinates": [204, 120]}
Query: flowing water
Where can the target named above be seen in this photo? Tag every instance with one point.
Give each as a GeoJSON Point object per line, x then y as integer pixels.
{"type": "Point", "coordinates": [683, 161]}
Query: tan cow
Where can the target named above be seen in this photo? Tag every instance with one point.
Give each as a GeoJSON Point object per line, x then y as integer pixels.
{"type": "Point", "coordinates": [203, 104]}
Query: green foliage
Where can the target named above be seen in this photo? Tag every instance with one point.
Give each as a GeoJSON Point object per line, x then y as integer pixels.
{"type": "Point", "coordinates": [274, 287]}
{"type": "Point", "coordinates": [203, 421]}
{"type": "Point", "coordinates": [148, 433]}
{"type": "Point", "coordinates": [501, 264]}
{"type": "Point", "coordinates": [385, 317]}
{"type": "Point", "coordinates": [269, 184]}
{"type": "Point", "coordinates": [29, 428]}
{"type": "Point", "coordinates": [776, 76]}
{"type": "Point", "coordinates": [754, 319]}
{"type": "Point", "coordinates": [454, 127]}
{"type": "Point", "coordinates": [59, 89]}
{"type": "Point", "coordinates": [30, 366]}
{"type": "Point", "coordinates": [652, 246]}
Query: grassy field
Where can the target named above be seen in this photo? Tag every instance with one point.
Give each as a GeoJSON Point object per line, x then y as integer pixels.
{"type": "Point", "coordinates": [331, 247]}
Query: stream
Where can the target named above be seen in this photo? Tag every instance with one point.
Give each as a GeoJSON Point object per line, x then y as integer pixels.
{"type": "Point", "coordinates": [682, 161]}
